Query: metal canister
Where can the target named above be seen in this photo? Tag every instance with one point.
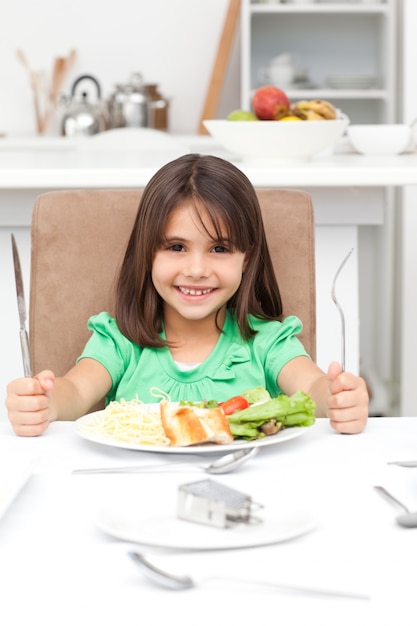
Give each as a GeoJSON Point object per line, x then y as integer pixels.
{"type": "Point", "coordinates": [157, 108]}
{"type": "Point", "coordinates": [128, 105]}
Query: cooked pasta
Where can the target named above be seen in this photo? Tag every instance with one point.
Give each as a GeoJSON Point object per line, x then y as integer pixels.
{"type": "Point", "coordinates": [129, 421]}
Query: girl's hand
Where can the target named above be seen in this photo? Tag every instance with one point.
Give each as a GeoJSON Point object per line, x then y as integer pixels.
{"type": "Point", "coordinates": [348, 400]}
{"type": "Point", "coordinates": [28, 403]}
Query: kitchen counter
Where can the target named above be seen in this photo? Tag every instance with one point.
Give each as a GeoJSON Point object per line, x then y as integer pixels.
{"type": "Point", "coordinates": [43, 163]}
{"type": "Point", "coordinates": [348, 191]}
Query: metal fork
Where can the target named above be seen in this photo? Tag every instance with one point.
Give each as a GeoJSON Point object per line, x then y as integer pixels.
{"type": "Point", "coordinates": [339, 308]}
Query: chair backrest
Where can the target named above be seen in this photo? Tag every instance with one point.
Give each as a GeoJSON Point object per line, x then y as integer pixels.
{"type": "Point", "coordinates": [78, 241]}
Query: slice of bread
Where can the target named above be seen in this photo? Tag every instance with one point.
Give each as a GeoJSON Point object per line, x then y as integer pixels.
{"type": "Point", "coordinates": [187, 425]}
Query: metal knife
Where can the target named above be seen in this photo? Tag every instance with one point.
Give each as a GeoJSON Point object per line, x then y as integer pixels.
{"type": "Point", "coordinates": [24, 337]}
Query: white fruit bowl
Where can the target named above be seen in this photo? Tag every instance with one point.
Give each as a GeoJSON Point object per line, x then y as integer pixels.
{"type": "Point", "coordinates": [380, 139]}
{"type": "Point", "coordinates": [266, 142]}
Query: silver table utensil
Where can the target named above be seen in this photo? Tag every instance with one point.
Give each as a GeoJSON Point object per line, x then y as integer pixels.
{"type": "Point", "coordinates": [179, 582]}
{"type": "Point", "coordinates": [408, 519]}
{"type": "Point", "coordinates": [24, 338]}
{"type": "Point", "coordinates": [403, 463]}
{"type": "Point", "coordinates": [223, 465]}
{"type": "Point", "coordinates": [339, 308]}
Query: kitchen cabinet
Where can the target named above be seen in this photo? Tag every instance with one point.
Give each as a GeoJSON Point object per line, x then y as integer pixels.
{"type": "Point", "coordinates": [345, 52]}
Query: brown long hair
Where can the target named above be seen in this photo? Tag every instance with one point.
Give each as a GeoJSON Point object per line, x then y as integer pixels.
{"type": "Point", "coordinates": [229, 200]}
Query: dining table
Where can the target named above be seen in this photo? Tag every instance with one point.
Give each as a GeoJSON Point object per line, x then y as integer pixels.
{"type": "Point", "coordinates": [316, 522]}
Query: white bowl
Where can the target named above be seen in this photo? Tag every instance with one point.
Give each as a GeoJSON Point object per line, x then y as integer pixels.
{"type": "Point", "coordinates": [267, 142]}
{"type": "Point", "coordinates": [380, 139]}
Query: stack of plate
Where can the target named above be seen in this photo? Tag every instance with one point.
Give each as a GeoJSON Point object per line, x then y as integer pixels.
{"type": "Point", "coordinates": [351, 81]}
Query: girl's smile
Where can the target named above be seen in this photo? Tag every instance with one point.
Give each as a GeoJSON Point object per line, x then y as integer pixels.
{"type": "Point", "coordinates": [193, 291]}
{"type": "Point", "coordinates": [193, 271]}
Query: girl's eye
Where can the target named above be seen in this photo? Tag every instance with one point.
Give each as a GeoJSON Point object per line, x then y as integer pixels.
{"type": "Point", "coordinates": [220, 248]}
{"type": "Point", "coordinates": [176, 247]}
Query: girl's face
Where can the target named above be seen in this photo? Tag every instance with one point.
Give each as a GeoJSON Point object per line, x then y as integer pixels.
{"type": "Point", "coordinates": [195, 274]}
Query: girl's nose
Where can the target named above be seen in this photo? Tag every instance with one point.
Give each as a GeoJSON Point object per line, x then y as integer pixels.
{"type": "Point", "coordinates": [196, 266]}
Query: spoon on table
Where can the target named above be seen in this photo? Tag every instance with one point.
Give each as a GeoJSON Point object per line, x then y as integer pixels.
{"type": "Point", "coordinates": [403, 463]}
{"type": "Point", "coordinates": [223, 465]}
{"type": "Point", "coordinates": [408, 519]}
{"type": "Point", "coordinates": [180, 582]}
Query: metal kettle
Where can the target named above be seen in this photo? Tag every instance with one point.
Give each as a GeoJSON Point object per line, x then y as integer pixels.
{"type": "Point", "coordinates": [129, 104]}
{"type": "Point", "coordinates": [84, 117]}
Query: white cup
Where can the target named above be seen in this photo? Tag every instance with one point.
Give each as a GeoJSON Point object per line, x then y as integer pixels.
{"type": "Point", "coordinates": [280, 75]}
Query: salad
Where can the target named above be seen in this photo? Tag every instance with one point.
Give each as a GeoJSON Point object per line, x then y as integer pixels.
{"type": "Point", "coordinates": [254, 414]}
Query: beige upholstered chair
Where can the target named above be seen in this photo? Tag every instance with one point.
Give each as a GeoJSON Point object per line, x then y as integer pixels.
{"type": "Point", "coordinates": [78, 241]}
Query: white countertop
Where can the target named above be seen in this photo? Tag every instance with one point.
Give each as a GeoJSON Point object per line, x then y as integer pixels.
{"type": "Point", "coordinates": [39, 163]}
{"type": "Point", "coordinates": [58, 567]}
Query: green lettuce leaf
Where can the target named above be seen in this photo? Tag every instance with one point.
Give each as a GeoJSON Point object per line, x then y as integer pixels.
{"type": "Point", "coordinates": [257, 394]}
{"type": "Point", "coordinates": [295, 410]}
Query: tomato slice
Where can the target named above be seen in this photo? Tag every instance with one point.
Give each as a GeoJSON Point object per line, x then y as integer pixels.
{"type": "Point", "coordinates": [237, 403]}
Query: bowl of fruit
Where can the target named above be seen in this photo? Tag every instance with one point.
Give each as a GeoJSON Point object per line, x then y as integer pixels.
{"type": "Point", "coordinates": [276, 130]}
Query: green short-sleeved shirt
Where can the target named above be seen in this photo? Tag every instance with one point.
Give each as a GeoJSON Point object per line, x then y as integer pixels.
{"type": "Point", "coordinates": [233, 366]}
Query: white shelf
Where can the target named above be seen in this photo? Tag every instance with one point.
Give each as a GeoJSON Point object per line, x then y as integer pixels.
{"type": "Point", "coordinates": [326, 39]}
{"type": "Point", "coordinates": [337, 94]}
{"type": "Point", "coordinates": [319, 8]}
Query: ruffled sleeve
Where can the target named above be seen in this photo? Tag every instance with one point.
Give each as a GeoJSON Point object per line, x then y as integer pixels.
{"type": "Point", "coordinates": [279, 344]}
{"type": "Point", "coordinates": [109, 347]}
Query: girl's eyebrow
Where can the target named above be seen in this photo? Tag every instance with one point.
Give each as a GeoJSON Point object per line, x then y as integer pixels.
{"type": "Point", "coordinates": [181, 239]}
{"type": "Point", "coordinates": [175, 238]}
{"type": "Point", "coordinates": [172, 237]}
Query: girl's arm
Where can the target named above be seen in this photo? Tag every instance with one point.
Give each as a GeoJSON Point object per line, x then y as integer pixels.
{"type": "Point", "coordinates": [33, 403]}
{"type": "Point", "coordinates": [340, 396]}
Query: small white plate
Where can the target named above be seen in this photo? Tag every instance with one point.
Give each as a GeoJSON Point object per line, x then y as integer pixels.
{"type": "Point", "coordinates": [165, 531]}
{"type": "Point", "coordinates": [84, 427]}
{"type": "Point", "coordinates": [351, 81]}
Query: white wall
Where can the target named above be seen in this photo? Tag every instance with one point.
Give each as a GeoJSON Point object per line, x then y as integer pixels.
{"type": "Point", "coordinates": [171, 42]}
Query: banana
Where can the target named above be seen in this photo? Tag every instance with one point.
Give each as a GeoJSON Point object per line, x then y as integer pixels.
{"type": "Point", "coordinates": [296, 112]}
{"type": "Point", "coordinates": [291, 118]}
{"type": "Point", "coordinates": [313, 115]}
{"type": "Point", "coordinates": [324, 108]}
{"type": "Point", "coordinates": [316, 109]}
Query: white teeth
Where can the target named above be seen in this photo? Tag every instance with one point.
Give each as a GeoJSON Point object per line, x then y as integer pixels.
{"type": "Point", "coordinates": [194, 292]}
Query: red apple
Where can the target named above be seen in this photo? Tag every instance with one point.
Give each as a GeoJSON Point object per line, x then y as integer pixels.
{"type": "Point", "coordinates": [270, 103]}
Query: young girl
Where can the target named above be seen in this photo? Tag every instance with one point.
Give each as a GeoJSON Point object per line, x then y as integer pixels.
{"type": "Point", "coordinates": [198, 313]}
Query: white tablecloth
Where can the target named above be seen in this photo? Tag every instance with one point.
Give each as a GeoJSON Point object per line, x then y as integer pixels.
{"type": "Point", "coordinates": [58, 567]}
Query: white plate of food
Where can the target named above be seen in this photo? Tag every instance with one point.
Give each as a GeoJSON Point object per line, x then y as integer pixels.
{"type": "Point", "coordinates": [118, 432]}
{"type": "Point", "coordinates": [167, 531]}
